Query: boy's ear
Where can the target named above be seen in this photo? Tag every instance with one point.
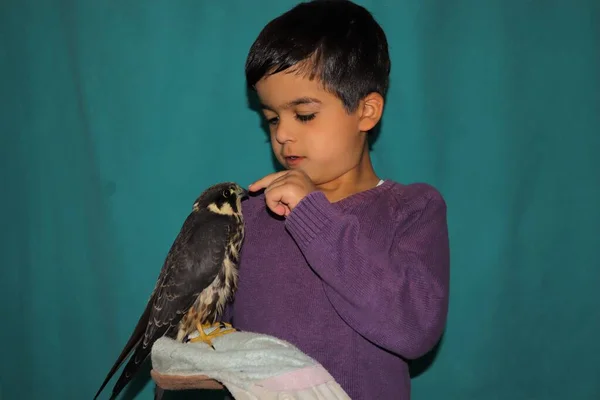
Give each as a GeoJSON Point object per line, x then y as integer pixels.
{"type": "Point", "coordinates": [371, 110]}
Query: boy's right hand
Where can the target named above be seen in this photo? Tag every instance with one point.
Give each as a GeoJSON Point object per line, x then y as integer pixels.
{"type": "Point", "coordinates": [284, 190]}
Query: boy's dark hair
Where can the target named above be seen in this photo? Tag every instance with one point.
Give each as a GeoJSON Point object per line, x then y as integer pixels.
{"type": "Point", "coordinates": [337, 41]}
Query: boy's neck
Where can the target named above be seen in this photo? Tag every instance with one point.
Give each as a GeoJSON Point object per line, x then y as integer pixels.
{"type": "Point", "coordinates": [357, 180]}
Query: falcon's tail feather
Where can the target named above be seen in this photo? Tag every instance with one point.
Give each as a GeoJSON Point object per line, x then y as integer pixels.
{"type": "Point", "coordinates": [132, 343]}
{"type": "Point", "coordinates": [140, 354]}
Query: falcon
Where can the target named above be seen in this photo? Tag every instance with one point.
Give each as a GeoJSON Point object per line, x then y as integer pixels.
{"type": "Point", "coordinates": [198, 278]}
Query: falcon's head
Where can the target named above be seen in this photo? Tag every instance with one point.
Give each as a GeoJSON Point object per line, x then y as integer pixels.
{"type": "Point", "coordinates": [223, 198]}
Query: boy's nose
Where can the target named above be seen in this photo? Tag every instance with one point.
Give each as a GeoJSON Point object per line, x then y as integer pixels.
{"type": "Point", "coordinates": [284, 134]}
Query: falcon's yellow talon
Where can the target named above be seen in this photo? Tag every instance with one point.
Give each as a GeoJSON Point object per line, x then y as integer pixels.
{"type": "Point", "coordinates": [202, 337]}
{"type": "Point", "coordinates": [217, 331]}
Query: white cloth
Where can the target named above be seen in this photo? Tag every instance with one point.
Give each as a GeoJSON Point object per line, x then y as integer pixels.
{"type": "Point", "coordinates": [251, 366]}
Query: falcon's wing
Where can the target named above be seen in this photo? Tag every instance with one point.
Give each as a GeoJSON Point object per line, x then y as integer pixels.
{"type": "Point", "coordinates": [191, 265]}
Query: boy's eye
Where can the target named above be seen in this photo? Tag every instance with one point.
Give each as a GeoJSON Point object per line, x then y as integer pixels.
{"type": "Point", "coordinates": [299, 117]}
{"type": "Point", "coordinates": [305, 117]}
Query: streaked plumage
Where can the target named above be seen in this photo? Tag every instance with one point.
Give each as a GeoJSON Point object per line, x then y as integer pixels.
{"type": "Point", "coordinates": [197, 279]}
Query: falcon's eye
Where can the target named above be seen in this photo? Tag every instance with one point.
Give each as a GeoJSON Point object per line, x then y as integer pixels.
{"type": "Point", "coordinates": [225, 193]}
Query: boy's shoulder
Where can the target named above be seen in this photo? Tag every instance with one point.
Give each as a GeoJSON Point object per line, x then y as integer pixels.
{"type": "Point", "coordinates": [417, 192]}
{"type": "Point", "coordinates": [417, 208]}
{"type": "Point", "coordinates": [402, 200]}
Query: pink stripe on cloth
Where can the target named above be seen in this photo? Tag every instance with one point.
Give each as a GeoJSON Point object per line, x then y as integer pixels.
{"type": "Point", "coordinates": [297, 380]}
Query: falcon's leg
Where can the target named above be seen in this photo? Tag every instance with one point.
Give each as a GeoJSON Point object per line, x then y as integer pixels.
{"type": "Point", "coordinates": [220, 329]}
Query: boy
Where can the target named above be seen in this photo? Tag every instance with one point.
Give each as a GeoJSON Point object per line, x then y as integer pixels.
{"type": "Point", "coordinates": [351, 269]}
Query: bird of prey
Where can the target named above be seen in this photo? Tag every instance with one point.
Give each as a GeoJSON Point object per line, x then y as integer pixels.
{"type": "Point", "coordinates": [199, 276]}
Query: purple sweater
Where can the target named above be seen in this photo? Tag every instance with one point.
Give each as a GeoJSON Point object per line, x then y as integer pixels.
{"type": "Point", "coordinates": [360, 285]}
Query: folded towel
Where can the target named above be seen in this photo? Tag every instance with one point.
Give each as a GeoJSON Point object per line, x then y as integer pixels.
{"type": "Point", "coordinates": [251, 366]}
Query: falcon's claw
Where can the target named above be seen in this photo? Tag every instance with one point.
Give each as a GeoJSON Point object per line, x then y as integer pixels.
{"type": "Point", "coordinates": [220, 329]}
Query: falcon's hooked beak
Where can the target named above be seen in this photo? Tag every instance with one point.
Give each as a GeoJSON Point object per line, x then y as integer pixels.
{"type": "Point", "coordinates": [242, 193]}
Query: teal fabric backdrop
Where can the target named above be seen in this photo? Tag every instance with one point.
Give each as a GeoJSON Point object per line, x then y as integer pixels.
{"type": "Point", "coordinates": [115, 115]}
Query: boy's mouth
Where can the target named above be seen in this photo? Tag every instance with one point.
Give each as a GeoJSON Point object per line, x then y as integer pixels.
{"type": "Point", "coordinates": [293, 160]}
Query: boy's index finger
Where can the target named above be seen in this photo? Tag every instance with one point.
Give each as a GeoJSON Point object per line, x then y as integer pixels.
{"type": "Point", "coordinates": [265, 181]}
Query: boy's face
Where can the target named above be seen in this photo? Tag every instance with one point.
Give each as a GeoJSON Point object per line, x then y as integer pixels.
{"type": "Point", "coordinates": [311, 130]}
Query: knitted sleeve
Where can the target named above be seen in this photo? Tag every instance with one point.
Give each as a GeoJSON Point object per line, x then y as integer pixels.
{"type": "Point", "coordinates": [397, 298]}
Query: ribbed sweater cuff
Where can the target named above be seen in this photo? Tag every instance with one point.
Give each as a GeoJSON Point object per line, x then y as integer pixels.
{"type": "Point", "coordinates": [306, 221]}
